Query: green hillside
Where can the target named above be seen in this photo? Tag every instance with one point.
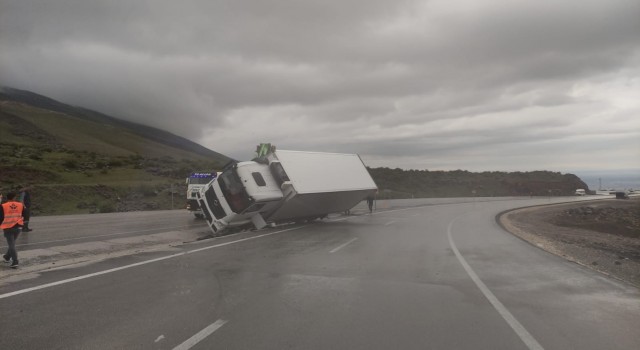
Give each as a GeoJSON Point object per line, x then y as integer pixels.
{"type": "Point", "coordinates": [32, 126]}
{"type": "Point", "coordinates": [83, 161]}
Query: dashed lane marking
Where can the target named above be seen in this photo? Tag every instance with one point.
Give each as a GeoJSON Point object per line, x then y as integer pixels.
{"type": "Point", "coordinates": [342, 246]}
{"type": "Point", "coordinates": [200, 336]}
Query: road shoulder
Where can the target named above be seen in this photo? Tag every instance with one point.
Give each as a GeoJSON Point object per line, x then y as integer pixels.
{"type": "Point", "coordinates": [614, 253]}
{"type": "Point", "coordinates": [35, 261]}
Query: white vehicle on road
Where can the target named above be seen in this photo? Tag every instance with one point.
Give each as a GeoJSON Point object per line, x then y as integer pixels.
{"type": "Point", "coordinates": [195, 182]}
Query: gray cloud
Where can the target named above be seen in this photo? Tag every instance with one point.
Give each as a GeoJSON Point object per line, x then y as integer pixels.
{"type": "Point", "coordinates": [419, 84]}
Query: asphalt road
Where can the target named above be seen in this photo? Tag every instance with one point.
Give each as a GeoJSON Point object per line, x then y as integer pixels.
{"type": "Point", "coordinates": [415, 275]}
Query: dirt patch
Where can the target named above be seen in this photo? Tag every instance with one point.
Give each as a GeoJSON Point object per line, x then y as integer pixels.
{"type": "Point", "coordinates": [603, 235]}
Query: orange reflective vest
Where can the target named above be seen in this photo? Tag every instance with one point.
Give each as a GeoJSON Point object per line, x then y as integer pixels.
{"type": "Point", "coordinates": [12, 215]}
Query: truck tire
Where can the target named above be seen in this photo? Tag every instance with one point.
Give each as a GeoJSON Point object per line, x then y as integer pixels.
{"type": "Point", "coordinates": [199, 216]}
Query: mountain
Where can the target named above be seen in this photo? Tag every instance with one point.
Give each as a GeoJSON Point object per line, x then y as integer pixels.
{"type": "Point", "coordinates": [81, 160]}
{"type": "Point", "coordinates": [22, 98]}
{"type": "Point", "coordinates": [398, 183]}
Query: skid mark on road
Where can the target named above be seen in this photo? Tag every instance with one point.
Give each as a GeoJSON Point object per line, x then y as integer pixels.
{"type": "Point", "coordinates": [524, 335]}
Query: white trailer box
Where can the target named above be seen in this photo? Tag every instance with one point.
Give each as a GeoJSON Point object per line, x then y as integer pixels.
{"type": "Point", "coordinates": [285, 186]}
{"type": "Point", "coordinates": [320, 183]}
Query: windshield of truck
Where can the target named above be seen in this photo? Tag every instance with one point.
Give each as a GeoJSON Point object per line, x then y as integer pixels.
{"type": "Point", "coordinates": [199, 180]}
{"type": "Point", "coordinates": [233, 191]}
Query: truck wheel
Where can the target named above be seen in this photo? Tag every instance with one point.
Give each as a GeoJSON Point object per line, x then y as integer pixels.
{"type": "Point", "coordinates": [199, 216]}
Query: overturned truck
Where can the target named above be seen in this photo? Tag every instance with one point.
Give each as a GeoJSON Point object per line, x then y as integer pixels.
{"type": "Point", "coordinates": [284, 186]}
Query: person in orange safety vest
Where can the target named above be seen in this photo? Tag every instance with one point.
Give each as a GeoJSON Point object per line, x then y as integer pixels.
{"type": "Point", "coordinates": [11, 221]}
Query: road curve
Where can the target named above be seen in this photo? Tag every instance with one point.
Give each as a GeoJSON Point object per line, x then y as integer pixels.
{"type": "Point", "coordinates": [430, 274]}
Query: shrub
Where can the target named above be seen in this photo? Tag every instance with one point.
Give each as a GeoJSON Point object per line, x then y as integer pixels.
{"type": "Point", "coordinates": [147, 190]}
{"type": "Point", "coordinates": [70, 164]}
{"type": "Point", "coordinates": [106, 208]}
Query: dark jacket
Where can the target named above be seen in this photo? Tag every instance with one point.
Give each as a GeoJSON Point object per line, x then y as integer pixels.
{"type": "Point", "coordinates": [26, 199]}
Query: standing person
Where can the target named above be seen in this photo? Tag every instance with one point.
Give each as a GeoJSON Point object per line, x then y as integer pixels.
{"type": "Point", "coordinates": [25, 198]}
{"type": "Point", "coordinates": [11, 219]}
{"type": "Point", "coordinates": [370, 199]}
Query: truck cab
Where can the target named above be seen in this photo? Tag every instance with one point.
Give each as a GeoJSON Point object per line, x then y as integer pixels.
{"type": "Point", "coordinates": [196, 182]}
{"type": "Point", "coordinates": [240, 195]}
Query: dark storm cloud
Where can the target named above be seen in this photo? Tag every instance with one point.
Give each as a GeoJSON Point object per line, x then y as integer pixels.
{"type": "Point", "coordinates": [404, 81]}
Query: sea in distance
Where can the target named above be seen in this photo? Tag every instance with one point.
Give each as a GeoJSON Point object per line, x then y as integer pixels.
{"type": "Point", "coordinates": [619, 180]}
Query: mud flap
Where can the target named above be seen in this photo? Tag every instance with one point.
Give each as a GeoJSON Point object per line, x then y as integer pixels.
{"type": "Point", "coordinates": [258, 221]}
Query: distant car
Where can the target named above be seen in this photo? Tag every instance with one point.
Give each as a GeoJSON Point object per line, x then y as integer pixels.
{"type": "Point", "coordinates": [622, 195]}
{"type": "Point", "coordinates": [580, 192]}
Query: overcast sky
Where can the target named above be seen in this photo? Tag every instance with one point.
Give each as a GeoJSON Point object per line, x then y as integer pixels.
{"type": "Point", "coordinates": [439, 85]}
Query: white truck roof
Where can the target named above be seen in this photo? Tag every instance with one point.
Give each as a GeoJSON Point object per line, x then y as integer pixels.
{"type": "Point", "coordinates": [313, 172]}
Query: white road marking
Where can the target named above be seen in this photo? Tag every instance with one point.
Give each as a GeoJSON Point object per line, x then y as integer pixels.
{"type": "Point", "coordinates": [342, 246]}
{"type": "Point", "coordinates": [389, 223]}
{"type": "Point", "coordinates": [198, 337]}
{"type": "Point", "coordinates": [159, 338]}
{"type": "Point", "coordinates": [524, 335]}
{"type": "Point", "coordinates": [53, 284]}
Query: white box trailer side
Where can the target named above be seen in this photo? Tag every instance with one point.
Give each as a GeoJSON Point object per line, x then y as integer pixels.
{"type": "Point", "coordinates": [320, 184]}
{"type": "Point", "coordinates": [313, 172]}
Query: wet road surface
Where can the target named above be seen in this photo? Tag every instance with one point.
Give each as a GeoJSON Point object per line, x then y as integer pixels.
{"type": "Point", "coordinates": [415, 275]}
{"type": "Point", "coordinates": [50, 231]}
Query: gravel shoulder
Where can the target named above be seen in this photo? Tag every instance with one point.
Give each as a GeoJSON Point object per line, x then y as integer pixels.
{"type": "Point", "coordinates": [35, 261]}
{"type": "Point", "coordinates": [603, 235]}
